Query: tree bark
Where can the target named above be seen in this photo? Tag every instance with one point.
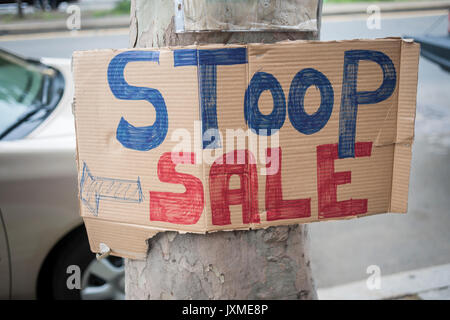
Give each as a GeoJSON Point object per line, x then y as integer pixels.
{"type": "Point", "coordinates": [19, 9]}
{"type": "Point", "coordinates": [270, 263]}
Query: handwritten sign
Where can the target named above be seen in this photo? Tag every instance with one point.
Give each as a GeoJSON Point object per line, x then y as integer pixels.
{"type": "Point", "coordinates": [199, 139]}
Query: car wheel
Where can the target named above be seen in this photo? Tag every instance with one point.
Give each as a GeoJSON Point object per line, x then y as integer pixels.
{"type": "Point", "coordinates": [99, 279]}
{"type": "Point", "coordinates": [104, 280]}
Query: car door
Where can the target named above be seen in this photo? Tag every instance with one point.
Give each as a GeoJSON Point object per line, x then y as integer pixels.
{"type": "Point", "coordinates": [4, 262]}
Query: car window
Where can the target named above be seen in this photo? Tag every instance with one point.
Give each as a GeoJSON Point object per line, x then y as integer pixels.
{"type": "Point", "coordinates": [29, 92]}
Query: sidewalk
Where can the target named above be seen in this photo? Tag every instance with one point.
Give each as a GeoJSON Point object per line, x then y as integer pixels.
{"type": "Point", "coordinates": [60, 25]}
{"type": "Point", "coordinates": [329, 9]}
{"type": "Point", "coordinates": [431, 283]}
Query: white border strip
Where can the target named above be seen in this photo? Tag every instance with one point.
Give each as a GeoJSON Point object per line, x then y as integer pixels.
{"type": "Point", "coordinates": [179, 15]}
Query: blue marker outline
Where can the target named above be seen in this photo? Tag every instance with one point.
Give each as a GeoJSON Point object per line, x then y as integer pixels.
{"type": "Point", "coordinates": [300, 119]}
{"type": "Point", "coordinates": [96, 185]}
{"type": "Point", "coordinates": [138, 138]}
{"type": "Point", "coordinates": [258, 122]}
{"type": "Point", "coordinates": [207, 61]}
{"type": "Point", "coordinates": [351, 98]}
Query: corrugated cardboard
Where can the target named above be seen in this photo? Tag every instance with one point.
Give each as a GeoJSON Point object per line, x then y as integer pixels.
{"type": "Point", "coordinates": [129, 194]}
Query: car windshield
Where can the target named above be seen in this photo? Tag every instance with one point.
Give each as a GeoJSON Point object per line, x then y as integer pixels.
{"type": "Point", "coordinates": [29, 92]}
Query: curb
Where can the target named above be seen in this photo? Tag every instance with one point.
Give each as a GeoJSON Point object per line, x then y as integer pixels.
{"type": "Point", "coordinates": [427, 283]}
{"type": "Point", "coordinates": [361, 8]}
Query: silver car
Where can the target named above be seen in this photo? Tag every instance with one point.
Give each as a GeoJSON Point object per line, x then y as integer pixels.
{"type": "Point", "coordinates": [42, 239]}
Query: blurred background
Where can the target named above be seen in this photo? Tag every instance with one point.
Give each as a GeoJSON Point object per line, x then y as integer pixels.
{"type": "Point", "coordinates": [41, 233]}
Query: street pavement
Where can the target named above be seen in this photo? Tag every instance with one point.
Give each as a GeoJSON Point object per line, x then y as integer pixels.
{"type": "Point", "coordinates": [343, 250]}
{"type": "Point", "coordinates": [63, 44]}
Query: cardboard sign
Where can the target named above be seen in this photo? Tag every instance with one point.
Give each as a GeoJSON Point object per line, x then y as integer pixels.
{"type": "Point", "coordinates": [209, 138]}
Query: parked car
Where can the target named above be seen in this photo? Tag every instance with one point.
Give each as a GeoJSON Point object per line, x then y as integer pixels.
{"type": "Point", "coordinates": [52, 3]}
{"type": "Point", "coordinates": [41, 232]}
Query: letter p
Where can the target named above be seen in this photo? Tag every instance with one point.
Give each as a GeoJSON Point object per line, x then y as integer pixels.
{"type": "Point", "coordinates": [351, 98]}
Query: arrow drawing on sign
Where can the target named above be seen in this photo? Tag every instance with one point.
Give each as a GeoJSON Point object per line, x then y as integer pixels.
{"type": "Point", "coordinates": [93, 189]}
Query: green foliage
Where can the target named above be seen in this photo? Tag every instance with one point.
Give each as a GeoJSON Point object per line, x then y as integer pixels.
{"type": "Point", "coordinates": [361, 1]}
{"type": "Point", "coordinates": [122, 8]}
{"type": "Point", "coordinates": [38, 15]}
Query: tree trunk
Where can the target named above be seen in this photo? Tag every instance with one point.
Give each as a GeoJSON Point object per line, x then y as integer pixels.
{"type": "Point", "coordinates": [270, 263]}
{"type": "Point", "coordinates": [19, 9]}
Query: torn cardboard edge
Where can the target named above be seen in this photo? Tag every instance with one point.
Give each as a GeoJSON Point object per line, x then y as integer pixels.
{"type": "Point", "coordinates": [103, 232]}
{"type": "Point", "coordinates": [134, 237]}
{"type": "Point", "coordinates": [408, 77]}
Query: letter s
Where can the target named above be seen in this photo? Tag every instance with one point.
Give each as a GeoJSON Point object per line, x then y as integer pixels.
{"type": "Point", "coordinates": [180, 208]}
{"type": "Point", "coordinates": [137, 138]}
